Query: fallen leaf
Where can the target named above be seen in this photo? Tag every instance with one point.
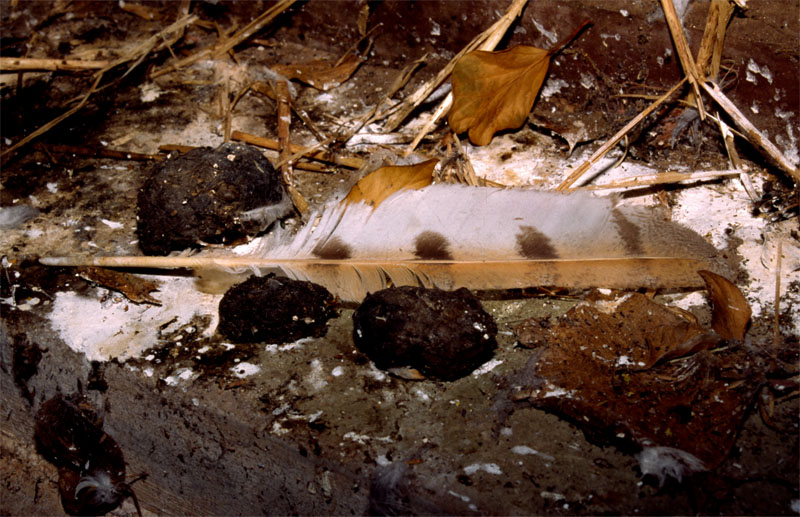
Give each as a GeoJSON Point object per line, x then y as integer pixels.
{"type": "Point", "coordinates": [493, 91]}
{"type": "Point", "coordinates": [731, 312]}
{"type": "Point", "coordinates": [134, 288]}
{"type": "Point", "coordinates": [321, 74]}
{"type": "Point", "coordinates": [604, 367]}
{"type": "Point", "coordinates": [378, 185]}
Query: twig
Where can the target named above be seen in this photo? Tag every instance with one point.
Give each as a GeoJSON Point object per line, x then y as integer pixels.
{"type": "Point", "coordinates": [684, 53]}
{"type": "Point", "coordinates": [45, 128]}
{"type": "Point", "coordinates": [227, 109]}
{"type": "Point", "coordinates": [99, 152]}
{"type": "Point", "coordinates": [302, 165]}
{"type": "Point", "coordinates": [356, 44]}
{"type": "Point", "coordinates": [778, 294]}
{"type": "Point", "coordinates": [470, 176]}
{"type": "Point", "coordinates": [709, 58]}
{"type": "Point", "coordinates": [753, 135]}
{"type": "Point", "coordinates": [138, 54]}
{"type": "Point", "coordinates": [490, 39]}
{"type": "Point", "coordinates": [301, 153]}
{"type": "Point", "coordinates": [663, 178]}
{"type": "Point", "coordinates": [496, 32]}
{"type": "Point", "coordinates": [31, 64]}
{"type": "Point", "coordinates": [372, 115]}
{"type": "Point", "coordinates": [224, 46]}
{"type": "Point", "coordinates": [610, 144]}
{"type": "Point", "coordinates": [269, 143]}
{"type": "Point", "coordinates": [284, 124]}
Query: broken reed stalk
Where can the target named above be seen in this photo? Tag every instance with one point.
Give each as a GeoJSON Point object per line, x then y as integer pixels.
{"type": "Point", "coordinates": [778, 294]}
{"type": "Point", "coordinates": [266, 88]}
{"type": "Point", "coordinates": [306, 166]}
{"type": "Point", "coordinates": [137, 55]}
{"type": "Point", "coordinates": [487, 40]}
{"type": "Point", "coordinates": [98, 152]}
{"type": "Point", "coordinates": [698, 81]}
{"type": "Point", "coordinates": [47, 127]}
{"type": "Point", "coordinates": [372, 115]}
{"type": "Point", "coordinates": [663, 178]}
{"type": "Point", "coordinates": [470, 176]}
{"type": "Point", "coordinates": [285, 164]}
{"type": "Point", "coordinates": [610, 144]}
{"type": "Point", "coordinates": [28, 64]}
{"type": "Point", "coordinates": [684, 53]}
{"type": "Point", "coordinates": [284, 121]}
{"type": "Point", "coordinates": [223, 47]}
{"type": "Point", "coordinates": [755, 136]}
{"type": "Point", "coordinates": [708, 62]}
{"type": "Point", "coordinates": [227, 109]}
{"type": "Point", "coordinates": [302, 153]}
{"type": "Point", "coordinates": [269, 143]}
{"type": "Point", "coordinates": [495, 32]}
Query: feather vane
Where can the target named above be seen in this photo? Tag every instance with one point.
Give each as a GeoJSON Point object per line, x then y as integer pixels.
{"type": "Point", "coordinates": [452, 236]}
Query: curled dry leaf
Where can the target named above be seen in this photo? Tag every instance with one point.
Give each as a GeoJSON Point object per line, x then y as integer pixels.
{"type": "Point", "coordinates": [321, 74]}
{"type": "Point", "coordinates": [731, 312]}
{"type": "Point", "coordinates": [374, 188]}
{"type": "Point", "coordinates": [493, 91]}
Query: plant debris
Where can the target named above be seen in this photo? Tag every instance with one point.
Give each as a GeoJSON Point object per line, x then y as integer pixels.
{"type": "Point", "coordinates": [629, 371]}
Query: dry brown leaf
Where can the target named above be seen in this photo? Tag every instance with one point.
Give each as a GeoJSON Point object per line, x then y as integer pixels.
{"type": "Point", "coordinates": [597, 367]}
{"type": "Point", "coordinates": [493, 91]}
{"type": "Point", "coordinates": [375, 187]}
{"type": "Point", "coordinates": [731, 312]}
{"type": "Point", "coordinates": [321, 74]}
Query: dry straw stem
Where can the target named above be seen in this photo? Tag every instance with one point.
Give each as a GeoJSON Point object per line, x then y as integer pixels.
{"type": "Point", "coordinates": [777, 338]}
{"type": "Point", "coordinates": [98, 152]}
{"type": "Point", "coordinates": [605, 148]}
{"type": "Point", "coordinates": [698, 81]}
{"type": "Point", "coordinates": [663, 178]}
{"type": "Point", "coordinates": [487, 40]}
{"type": "Point", "coordinates": [136, 55]}
{"type": "Point", "coordinates": [223, 47]}
{"type": "Point", "coordinates": [306, 166]}
{"type": "Point", "coordinates": [708, 63]}
{"type": "Point", "coordinates": [284, 122]}
{"type": "Point", "coordinates": [490, 38]}
{"type": "Point", "coordinates": [269, 143]}
{"type": "Point", "coordinates": [372, 115]}
{"type": "Point", "coordinates": [684, 53]}
{"type": "Point", "coordinates": [25, 64]}
{"type": "Point", "coordinates": [755, 136]}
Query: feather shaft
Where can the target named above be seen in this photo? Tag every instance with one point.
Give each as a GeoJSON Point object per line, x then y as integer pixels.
{"type": "Point", "coordinates": [452, 236]}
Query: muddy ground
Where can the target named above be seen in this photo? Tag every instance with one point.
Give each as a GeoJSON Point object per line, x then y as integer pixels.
{"type": "Point", "coordinates": [312, 427]}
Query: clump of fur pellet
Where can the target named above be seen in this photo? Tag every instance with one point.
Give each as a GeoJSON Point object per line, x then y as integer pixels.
{"type": "Point", "coordinates": [443, 334]}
